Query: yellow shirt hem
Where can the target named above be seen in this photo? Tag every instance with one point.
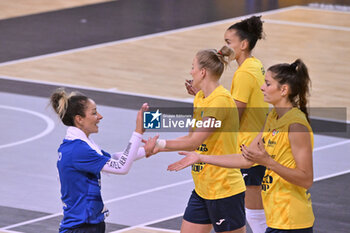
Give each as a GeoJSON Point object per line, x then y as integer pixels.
{"type": "Point", "coordinates": [230, 194]}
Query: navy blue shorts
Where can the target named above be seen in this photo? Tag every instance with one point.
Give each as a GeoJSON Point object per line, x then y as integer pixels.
{"type": "Point", "coordinates": [305, 230]}
{"type": "Point", "coordinates": [226, 214]}
{"type": "Point", "coordinates": [253, 176]}
{"type": "Point", "coordinates": [89, 228]}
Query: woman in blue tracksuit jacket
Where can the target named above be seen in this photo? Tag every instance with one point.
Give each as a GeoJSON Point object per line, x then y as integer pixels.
{"type": "Point", "coordinates": [80, 161]}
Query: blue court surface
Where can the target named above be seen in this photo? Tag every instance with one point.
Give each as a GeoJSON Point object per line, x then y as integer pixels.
{"type": "Point", "coordinates": [148, 196]}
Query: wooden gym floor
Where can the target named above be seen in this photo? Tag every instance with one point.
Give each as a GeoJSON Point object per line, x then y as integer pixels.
{"type": "Point", "coordinates": [158, 64]}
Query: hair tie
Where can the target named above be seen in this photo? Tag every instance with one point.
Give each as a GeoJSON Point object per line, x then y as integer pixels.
{"type": "Point", "coordinates": [294, 66]}
{"type": "Point", "coordinates": [219, 52]}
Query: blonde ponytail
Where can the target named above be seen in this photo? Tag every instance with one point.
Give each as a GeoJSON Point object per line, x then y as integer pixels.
{"type": "Point", "coordinates": [215, 61]}
{"type": "Point", "coordinates": [68, 105]}
{"type": "Point", "coordinates": [226, 55]}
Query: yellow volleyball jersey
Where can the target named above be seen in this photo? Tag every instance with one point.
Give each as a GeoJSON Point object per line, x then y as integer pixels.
{"type": "Point", "coordinates": [245, 87]}
{"type": "Point", "coordinates": [213, 182]}
{"type": "Point", "coordinates": [287, 206]}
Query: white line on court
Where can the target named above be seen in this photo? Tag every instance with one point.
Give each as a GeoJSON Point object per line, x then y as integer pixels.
{"type": "Point", "coordinates": [148, 228]}
{"type": "Point", "coordinates": [160, 229]}
{"type": "Point", "coordinates": [169, 186]}
{"type": "Point", "coordinates": [149, 191]}
{"type": "Point", "coordinates": [50, 126]}
{"type": "Point", "coordinates": [180, 30]}
{"type": "Point", "coordinates": [106, 202]}
{"type": "Point", "coordinates": [310, 25]}
{"type": "Point", "coordinates": [332, 145]}
{"type": "Point", "coordinates": [315, 180]}
{"type": "Point", "coordinates": [115, 91]}
{"type": "Point", "coordinates": [145, 37]}
{"type": "Point", "coordinates": [6, 231]}
{"type": "Point", "coordinates": [331, 175]}
{"type": "Point", "coordinates": [166, 33]}
{"type": "Point", "coordinates": [30, 221]}
{"type": "Point", "coordinates": [185, 100]}
{"type": "Point", "coordinates": [149, 223]}
{"type": "Point", "coordinates": [165, 187]}
{"type": "Point", "coordinates": [184, 29]}
{"type": "Point", "coordinates": [315, 8]}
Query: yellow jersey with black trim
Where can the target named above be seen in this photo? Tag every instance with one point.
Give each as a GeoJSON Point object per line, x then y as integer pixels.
{"type": "Point", "coordinates": [245, 87]}
{"type": "Point", "coordinates": [287, 206]}
{"type": "Point", "coordinates": [213, 182]}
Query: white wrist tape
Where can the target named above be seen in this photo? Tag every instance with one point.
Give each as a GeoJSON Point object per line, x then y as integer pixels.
{"type": "Point", "coordinates": [161, 143]}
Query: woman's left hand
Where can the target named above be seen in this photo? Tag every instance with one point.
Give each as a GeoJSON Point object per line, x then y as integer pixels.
{"type": "Point", "coordinates": [190, 158]}
{"type": "Point", "coordinates": [139, 120]}
{"type": "Point", "coordinates": [256, 154]}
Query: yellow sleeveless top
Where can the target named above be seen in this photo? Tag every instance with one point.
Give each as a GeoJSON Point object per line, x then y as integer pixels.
{"type": "Point", "coordinates": [287, 206]}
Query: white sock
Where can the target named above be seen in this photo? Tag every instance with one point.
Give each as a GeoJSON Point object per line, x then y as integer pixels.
{"type": "Point", "coordinates": [256, 220]}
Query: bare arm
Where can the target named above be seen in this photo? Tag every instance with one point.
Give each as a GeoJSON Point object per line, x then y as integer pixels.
{"type": "Point", "coordinates": [300, 141]}
{"type": "Point", "coordinates": [191, 141]}
{"type": "Point", "coordinates": [228, 161]}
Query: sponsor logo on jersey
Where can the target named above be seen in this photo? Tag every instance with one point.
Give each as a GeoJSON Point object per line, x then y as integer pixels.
{"type": "Point", "coordinates": [271, 143]}
{"type": "Point", "coordinates": [266, 182]}
{"type": "Point", "coordinates": [274, 132]}
{"type": "Point", "coordinates": [198, 167]}
{"type": "Point", "coordinates": [202, 148]}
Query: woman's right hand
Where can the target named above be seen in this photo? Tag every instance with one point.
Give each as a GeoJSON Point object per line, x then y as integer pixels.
{"type": "Point", "coordinates": [190, 89]}
{"type": "Point", "coordinates": [139, 120]}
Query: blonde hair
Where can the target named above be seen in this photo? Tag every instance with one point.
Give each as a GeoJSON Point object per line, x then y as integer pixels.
{"type": "Point", "coordinates": [67, 106]}
{"type": "Point", "coordinates": [215, 61]}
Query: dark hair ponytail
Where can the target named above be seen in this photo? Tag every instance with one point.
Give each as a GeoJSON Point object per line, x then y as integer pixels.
{"type": "Point", "coordinates": [250, 29]}
{"type": "Point", "coordinates": [296, 75]}
{"type": "Point", "coordinates": [67, 106]}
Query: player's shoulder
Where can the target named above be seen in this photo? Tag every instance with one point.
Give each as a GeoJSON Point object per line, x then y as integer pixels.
{"type": "Point", "coordinates": [199, 95]}
{"type": "Point", "coordinates": [252, 62]}
{"type": "Point", "coordinates": [251, 66]}
{"type": "Point", "coordinates": [75, 145]}
{"type": "Point", "coordinates": [221, 92]}
{"type": "Point", "coordinates": [222, 97]}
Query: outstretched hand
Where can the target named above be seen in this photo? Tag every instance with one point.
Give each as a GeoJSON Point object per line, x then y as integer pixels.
{"type": "Point", "coordinates": [190, 158]}
{"type": "Point", "coordinates": [190, 89]}
{"type": "Point", "coordinates": [139, 119]}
